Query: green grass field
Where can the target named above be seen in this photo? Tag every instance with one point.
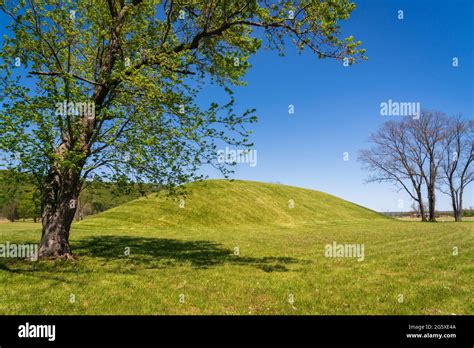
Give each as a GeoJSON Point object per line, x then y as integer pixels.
{"type": "Point", "coordinates": [183, 260]}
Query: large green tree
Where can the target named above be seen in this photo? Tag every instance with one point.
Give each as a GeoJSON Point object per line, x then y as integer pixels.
{"type": "Point", "coordinates": [109, 87]}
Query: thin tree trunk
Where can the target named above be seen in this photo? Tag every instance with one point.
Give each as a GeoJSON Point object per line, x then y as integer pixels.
{"type": "Point", "coordinates": [420, 203]}
{"type": "Point", "coordinates": [458, 217]}
{"type": "Point", "coordinates": [431, 204]}
{"type": "Point", "coordinates": [453, 201]}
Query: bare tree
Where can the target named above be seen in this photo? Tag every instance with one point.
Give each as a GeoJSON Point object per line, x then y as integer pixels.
{"type": "Point", "coordinates": [392, 159]}
{"type": "Point", "coordinates": [456, 167]}
{"type": "Point", "coordinates": [428, 133]}
{"type": "Point", "coordinates": [433, 151]}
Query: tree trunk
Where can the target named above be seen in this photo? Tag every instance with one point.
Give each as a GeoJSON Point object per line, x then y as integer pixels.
{"type": "Point", "coordinates": [458, 215]}
{"type": "Point", "coordinates": [59, 206]}
{"type": "Point", "coordinates": [454, 203]}
{"type": "Point", "coordinates": [431, 203]}
{"type": "Point", "coordinates": [421, 206]}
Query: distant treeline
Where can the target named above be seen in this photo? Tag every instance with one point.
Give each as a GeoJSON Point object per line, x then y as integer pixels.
{"type": "Point", "coordinates": [20, 199]}
{"type": "Point", "coordinates": [466, 213]}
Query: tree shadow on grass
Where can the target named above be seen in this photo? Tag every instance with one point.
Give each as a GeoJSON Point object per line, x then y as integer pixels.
{"type": "Point", "coordinates": [166, 253]}
{"type": "Point", "coordinates": [145, 253]}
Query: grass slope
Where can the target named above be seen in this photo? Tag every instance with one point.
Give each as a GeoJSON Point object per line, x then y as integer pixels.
{"type": "Point", "coordinates": [217, 203]}
{"type": "Point", "coordinates": [189, 254]}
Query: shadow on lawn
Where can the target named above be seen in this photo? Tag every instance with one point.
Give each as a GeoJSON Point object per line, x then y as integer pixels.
{"type": "Point", "coordinates": [163, 253]}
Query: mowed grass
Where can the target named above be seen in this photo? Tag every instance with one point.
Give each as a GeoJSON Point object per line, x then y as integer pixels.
{"type": "Point", "coordinates": [183, 260]}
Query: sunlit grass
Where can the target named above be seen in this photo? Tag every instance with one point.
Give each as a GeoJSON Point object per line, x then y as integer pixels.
{"type": "Point", "coordinates": [191, 251]}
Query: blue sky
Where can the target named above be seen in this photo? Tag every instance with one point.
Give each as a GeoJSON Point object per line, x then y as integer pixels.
{"type": "Point", "coordinates": [336, 107]}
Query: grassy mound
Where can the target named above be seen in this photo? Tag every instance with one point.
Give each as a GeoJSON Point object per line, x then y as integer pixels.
{"type": "Point", "coordinates": [215, 203]}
